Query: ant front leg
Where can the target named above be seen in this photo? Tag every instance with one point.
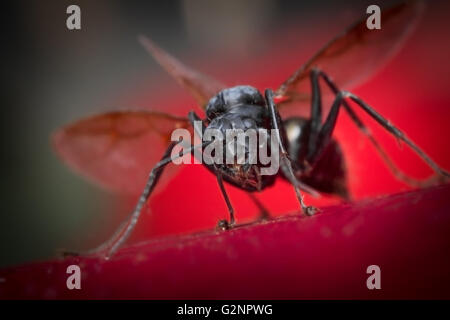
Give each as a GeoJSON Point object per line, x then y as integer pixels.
{"type": "Point", "coordinates": [224, 224]}
{"type": "Point", "coordinates": [285, 163]}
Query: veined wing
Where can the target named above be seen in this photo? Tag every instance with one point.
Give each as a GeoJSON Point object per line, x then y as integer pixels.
{"type": "Point", "coordinates": [353, 56]}
{"type": "Point", "coordinates": [117, 150]}
{"type": "Point", "coordinates": [200, 86]}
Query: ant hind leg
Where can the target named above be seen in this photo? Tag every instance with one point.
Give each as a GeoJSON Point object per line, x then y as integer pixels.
{"type": "Point", "coordinates": [441, 174]}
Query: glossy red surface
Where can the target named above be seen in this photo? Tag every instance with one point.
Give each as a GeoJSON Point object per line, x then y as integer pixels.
{"type": "Point", "coordinates": [325, 256]}
{"type": "Point", "coordinates": [318, 257]}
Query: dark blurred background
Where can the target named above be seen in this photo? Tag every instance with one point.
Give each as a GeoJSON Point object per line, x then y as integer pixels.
{"type": "Point", "coordinates": [53, 76]}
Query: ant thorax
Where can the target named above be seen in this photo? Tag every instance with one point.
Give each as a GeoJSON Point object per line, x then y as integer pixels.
{"type": "Point", "coordinates": [230, 98]}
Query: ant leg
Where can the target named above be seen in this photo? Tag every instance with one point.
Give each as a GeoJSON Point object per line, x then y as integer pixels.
{"type": "Point", "coordinates": [285, 163]}
{"type": "Point", "coordinates": [397, 133]}
{"type": "Point", "coordinates": [127, 226]}
{"type": "Point", "coordinates": [316, 112]}
{"type": "Point", "coordinates": [365, 130]}
{"type": "Point", "coordinates": [223, 224]}
{"type": "Point", "coordinates": [125, 229]}
{"type": "Point", "coordinates": [326, 130]}
{"type": "Point", "coordinates": [263, 212]}
{"type": "Point", "coordinates": [328, 127]}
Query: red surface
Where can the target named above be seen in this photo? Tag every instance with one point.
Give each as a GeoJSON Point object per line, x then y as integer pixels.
{"type": "Point", "coordinates": [324, 256]}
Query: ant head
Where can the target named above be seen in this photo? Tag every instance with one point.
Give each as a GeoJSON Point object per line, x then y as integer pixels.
{"type": "Point", "coordinates": [232, 97]}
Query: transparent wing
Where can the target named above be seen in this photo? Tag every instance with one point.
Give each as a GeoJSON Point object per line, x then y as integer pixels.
{"type": "Point", "coordinates": [352, 57]}
{"type": "Point", "coordinates": [117, 150]}
{"type": "Point", "coordinates": [200, 86]}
